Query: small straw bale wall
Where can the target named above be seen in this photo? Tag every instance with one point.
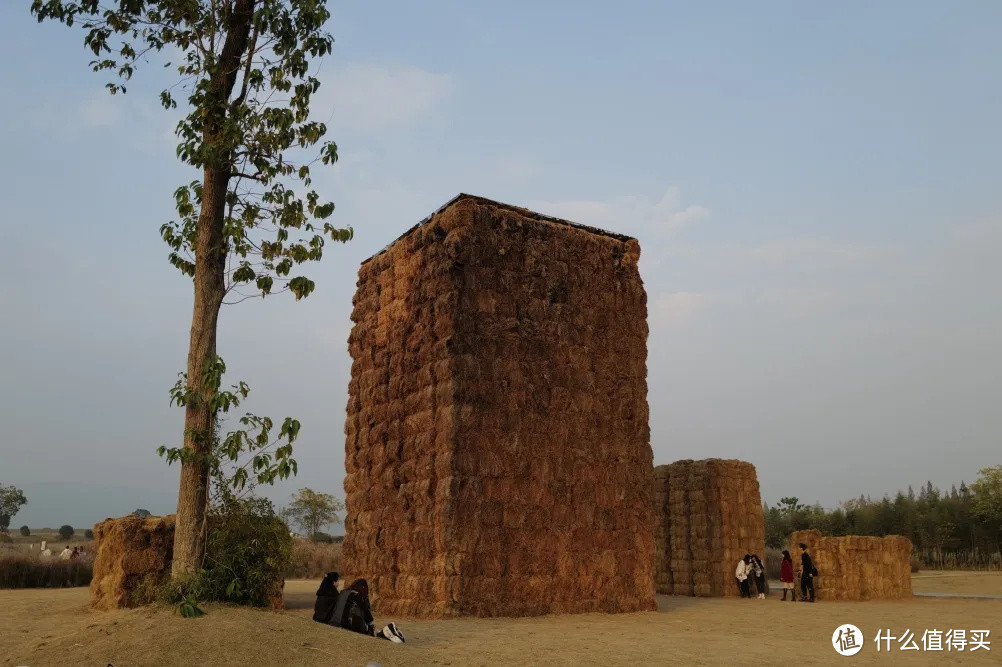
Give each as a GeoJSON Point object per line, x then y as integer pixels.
{"type": "Point", "coordinates": [708, 515]}
{"type": "Point", "coordinates": [855, 567]}
{"type": "Point", "coordinates": [498, 452]}
{"type": "Point", "coordinates": [133, 556]}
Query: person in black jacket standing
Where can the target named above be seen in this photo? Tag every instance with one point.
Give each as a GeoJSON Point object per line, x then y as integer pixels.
{"type": "Point", "coordinates": [807, 574]}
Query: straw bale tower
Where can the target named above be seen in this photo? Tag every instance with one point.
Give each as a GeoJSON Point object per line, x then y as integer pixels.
{"type": "Point", "coordinates": [497, 453]}
{"type": "Point", "coordinates": [709, 515]}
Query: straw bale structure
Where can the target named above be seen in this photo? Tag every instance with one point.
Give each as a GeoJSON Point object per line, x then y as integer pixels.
{"type": "Point", "coordinates": [708, 516]}
{"type": "Point", "coordinates": [498, 451]}
{"type": "Point", "coordinates": [856, 567]}
{"type": "Point", "coordinates": [133, 557]}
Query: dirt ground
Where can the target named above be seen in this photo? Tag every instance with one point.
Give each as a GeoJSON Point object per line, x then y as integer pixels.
{"type": "Point", "coordinates": [965, 583]}
{"type": "Point", "coordinates": [55, 627]}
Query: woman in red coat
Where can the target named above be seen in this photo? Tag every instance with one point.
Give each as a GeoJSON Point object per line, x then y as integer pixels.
{"type": "Point", "coordinates": [786, 576]}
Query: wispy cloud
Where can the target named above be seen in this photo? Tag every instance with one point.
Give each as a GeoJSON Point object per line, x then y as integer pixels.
{"type": "Point", "coordinates": [674, 309]}
{"type": "Point", "coordinates": [633, 214]}
{"type": "Point", "coordinates": [369, 96]}
{"type": "Point", "coordinates": [102, 110]}
{"type": "Point", "coordinates": [812, 251]}
{"type": "Point", "coordinates": [799, 301]}
{"type": "Point", "coordinates": [988, 229]}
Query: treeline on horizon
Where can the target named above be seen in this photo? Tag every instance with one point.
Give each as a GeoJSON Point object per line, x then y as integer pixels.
{"type": "Point", "coordinates": [966, 520]}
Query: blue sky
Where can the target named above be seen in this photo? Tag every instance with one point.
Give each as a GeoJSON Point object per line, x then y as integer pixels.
{"type": "Point", "coordinates": [815, 189]}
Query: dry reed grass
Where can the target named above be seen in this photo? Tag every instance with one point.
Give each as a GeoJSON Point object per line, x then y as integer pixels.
{"type": "Point", "coordinates": [497, 454]}
{"type": "Point", "coordinates": [312, 560]}
{"type": "Point", "coordinates": [856, 567]}
{"type": "Point", "coordinates": [24, 570]}
{"type": "Point", "coordinates": [709, 515]}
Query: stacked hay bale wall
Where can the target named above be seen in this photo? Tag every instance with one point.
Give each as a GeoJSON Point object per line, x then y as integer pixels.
{"type": "Point", "coordinates": [498, 458]}
{"type": "Point", "coordinates": [133, 556]}
{"type": "Point", "coordinates": [856, 567]}
{"type": "Point", "coordinates": [708, 515]}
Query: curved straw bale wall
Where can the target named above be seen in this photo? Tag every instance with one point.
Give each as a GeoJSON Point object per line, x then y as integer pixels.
{"type": "Point", "coordinates": [708, 516]}
{"type": "Point", "coordinates": [855, 567]}
{"type": "Point", "coordinates": [498, 453]}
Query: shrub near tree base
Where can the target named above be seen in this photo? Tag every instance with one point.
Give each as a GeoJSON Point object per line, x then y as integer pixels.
{"type": "Point", "coordinates": [247, 553]}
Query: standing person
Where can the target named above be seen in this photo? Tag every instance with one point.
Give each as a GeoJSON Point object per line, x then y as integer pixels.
{"type": "Point", "coordinates": [758, 568]}
{"type": "Point", "coordinates": [741, 574]}
{"type": "Point", "coordinates": [786, 576]}
{"type": "Point", "coordinates": [65, 553]}
{"type": "Point", "coordinates": [807, 574]}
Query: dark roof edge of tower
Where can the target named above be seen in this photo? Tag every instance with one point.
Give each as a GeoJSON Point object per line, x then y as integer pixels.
{"type": "Point", "coordinates": [509, 207]}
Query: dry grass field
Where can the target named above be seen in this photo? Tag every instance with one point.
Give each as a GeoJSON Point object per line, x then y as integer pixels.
{"type": "Point", "coordinates": [55, 627]}
{"type": "Point", "coordinates": [959, 582]}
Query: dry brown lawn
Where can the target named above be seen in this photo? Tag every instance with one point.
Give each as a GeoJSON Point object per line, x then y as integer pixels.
{"type": "Point", "coordinates": [55, 627]}
{"type": "Point", "coordinates": [966, 583]}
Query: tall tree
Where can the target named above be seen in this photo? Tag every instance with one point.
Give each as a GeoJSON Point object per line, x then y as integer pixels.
{"type": "Point", "coordinates": [313, 511]}
{"type": "Point", "coordinates": [988, 496]}
{"type": "Point", "coordinates": [244, 225]}
{"type": "Point", "coordinates": [11, 501]}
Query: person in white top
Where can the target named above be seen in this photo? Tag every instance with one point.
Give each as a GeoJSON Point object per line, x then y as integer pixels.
{"type": "Point", "coordinates": [741, 574]}
{"type": "Point", "coordinates": [65, 553]}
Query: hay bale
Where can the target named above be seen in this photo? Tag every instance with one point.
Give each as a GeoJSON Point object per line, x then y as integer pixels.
{"type": "Point", "coordinates": [133, 556]}
{"type": "Point", "coordinates": [708, 514]}
{"type": "Point", "coordinates": [497, 453]}
{"type": "Point", "coordinates": [856, 567]}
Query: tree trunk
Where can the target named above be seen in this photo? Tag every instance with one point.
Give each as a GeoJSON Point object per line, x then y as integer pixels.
{"type": "Point", "coordinates": [210, 288]}
{"type": "Point", "coordinates": [210, 261]}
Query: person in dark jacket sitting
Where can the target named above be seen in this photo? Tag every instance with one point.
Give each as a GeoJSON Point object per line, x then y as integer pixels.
{"type": "Point", "coordinates": [353, 612]}
{"type": "Point", "coordinates": [327, 595]}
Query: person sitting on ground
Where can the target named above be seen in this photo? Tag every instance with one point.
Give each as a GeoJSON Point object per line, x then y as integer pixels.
{"type": "Point", "coordinates": [807, 574]}
{"type": "Point", "coordinates": [761, 585]}
{"type": "Point", "coordinates": [65, 553]}
{"type": "Point", "coordinates": [327, 595]}
{"type": "Point", "coordinates": [353, 612]}
{"type": "Point", "coordinates": [741, 574]}
{"type": "Point", "coordinates": [786, 576]}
